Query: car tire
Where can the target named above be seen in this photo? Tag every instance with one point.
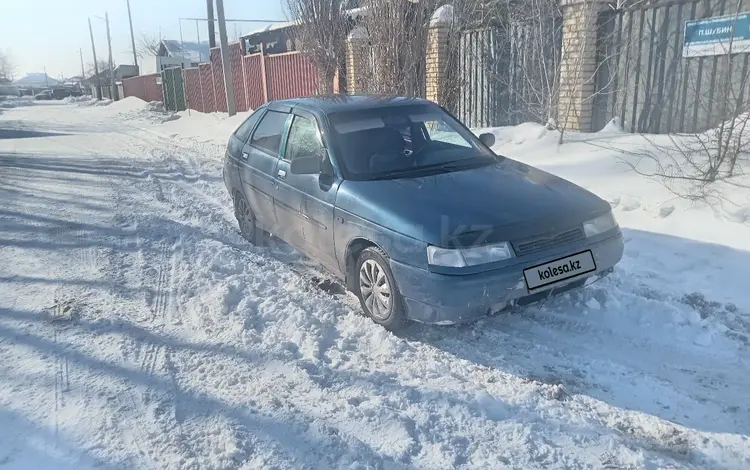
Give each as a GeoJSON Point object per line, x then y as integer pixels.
{"type": "Point", "coordinates": [377, 290]}
{"type": "Point", "coordinates": [246, 219]}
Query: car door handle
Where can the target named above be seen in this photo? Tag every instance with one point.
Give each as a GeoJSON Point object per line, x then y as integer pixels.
{"type": "Point", "coordinates": [244, 155]}
{"type": "Point", "coordinates": [281, 174]}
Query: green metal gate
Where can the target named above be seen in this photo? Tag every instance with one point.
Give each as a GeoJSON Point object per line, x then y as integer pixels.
{"type": "Point", "coordinates": [174, 89]}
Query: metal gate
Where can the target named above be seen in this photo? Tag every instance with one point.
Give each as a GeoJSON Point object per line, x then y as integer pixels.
{"type": "Point", "coordinates": [507, 75]}
{"type": "Point", "coordinates": [644, 80]}
{"type": "Point", "coordinates": [174, 89]}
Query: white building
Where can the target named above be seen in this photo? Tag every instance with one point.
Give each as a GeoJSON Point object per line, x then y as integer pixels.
{"type": "Point", "coordinates": [171, 54]}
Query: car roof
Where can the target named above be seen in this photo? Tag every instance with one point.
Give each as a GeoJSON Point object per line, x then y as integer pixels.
{"type": "Point", "coordinates": [328, 104]}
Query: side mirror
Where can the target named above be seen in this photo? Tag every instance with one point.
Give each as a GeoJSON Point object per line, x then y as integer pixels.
{"type": "Point", "coordinates": [487, 139]}
{"type": "Point", "coordinates": [306, 165]}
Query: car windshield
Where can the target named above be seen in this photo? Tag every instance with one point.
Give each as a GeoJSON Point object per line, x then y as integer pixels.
{"type": "Point", "coordinates": [404, 141]}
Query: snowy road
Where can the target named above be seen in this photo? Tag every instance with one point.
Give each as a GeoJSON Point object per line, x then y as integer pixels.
{"type": "Point", "coordinates": [138, 330]}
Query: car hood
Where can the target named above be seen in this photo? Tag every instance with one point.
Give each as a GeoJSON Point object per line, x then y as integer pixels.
{"type": "Point", "coordinates": [504, 201]}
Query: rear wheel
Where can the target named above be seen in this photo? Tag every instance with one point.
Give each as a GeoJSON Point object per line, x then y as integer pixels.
{"type": "Point", "coordinates": [377, 290]}
{"type": "Point", "coordinates": [246, 219]}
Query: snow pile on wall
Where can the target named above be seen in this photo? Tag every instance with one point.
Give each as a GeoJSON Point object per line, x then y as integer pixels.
{"type": "Point", "coordinates": [442, 16]}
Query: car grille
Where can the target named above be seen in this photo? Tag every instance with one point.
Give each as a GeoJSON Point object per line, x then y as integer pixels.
{"type": "Point", "coordinates": [544, 242]}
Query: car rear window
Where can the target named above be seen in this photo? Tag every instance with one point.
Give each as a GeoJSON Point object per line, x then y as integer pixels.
{"type": "Point", "coordinates": [267, 135]}
{"type": "Point", "coordinates": [243, 132]}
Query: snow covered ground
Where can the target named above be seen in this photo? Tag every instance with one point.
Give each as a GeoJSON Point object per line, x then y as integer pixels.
{"type": "Point", "coordinates": [139, 330]}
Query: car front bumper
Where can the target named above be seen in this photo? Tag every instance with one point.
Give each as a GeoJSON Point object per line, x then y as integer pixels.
{"type": "Point", "coordinates": [447, 299]}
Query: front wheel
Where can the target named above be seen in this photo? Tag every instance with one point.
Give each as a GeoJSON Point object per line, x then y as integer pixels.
{"type": "Point", "coordinates": [377, 290]}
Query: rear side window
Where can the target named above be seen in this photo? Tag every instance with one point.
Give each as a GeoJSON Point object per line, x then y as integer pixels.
{"type": "Point", "coordinates": [267, 135]}
{"type": "Point", "coordinates": [243, 132]}
{"type": "Point", "coordinates": [304, 139]}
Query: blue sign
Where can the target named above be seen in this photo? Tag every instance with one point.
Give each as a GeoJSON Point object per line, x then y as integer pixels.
{"type": "Point", "coordinates": [717, 35]}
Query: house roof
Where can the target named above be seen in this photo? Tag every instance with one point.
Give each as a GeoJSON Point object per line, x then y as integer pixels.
{"type": "Point", "coordinates": [194, 52]}
{"type": "Point", "coordinates": [272, 27]}
{"type": "Point", "coordinates": [37, 80]}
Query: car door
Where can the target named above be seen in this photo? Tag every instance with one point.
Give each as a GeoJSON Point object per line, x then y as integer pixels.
{"type": "Point", "coordinates": [235, 148]}
{"type": "Point", "coordinates": [258, 165]}
{"type": "Point", "coordinates": [287, 202]}
{"type": "Point", "coordinates": [317, 192]}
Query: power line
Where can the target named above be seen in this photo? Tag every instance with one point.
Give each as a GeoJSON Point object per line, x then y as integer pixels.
{"type": "Point", "coordinates": [237, 21]}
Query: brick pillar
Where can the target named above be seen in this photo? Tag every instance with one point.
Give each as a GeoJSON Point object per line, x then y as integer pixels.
{"type": "Point", "coordinates": [356, 52]}
{"type": "Point", "coordinates": [437, 54]}
{"type": "Point", "coordinates": [578, 64]}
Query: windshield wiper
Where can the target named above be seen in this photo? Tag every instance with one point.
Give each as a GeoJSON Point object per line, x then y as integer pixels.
{"type": "Point", "coordinates": [444, 167]}
{"type": "Point", "coordinates": [414, 172]}
{"type": "Point", "coordinates": [467, 162]}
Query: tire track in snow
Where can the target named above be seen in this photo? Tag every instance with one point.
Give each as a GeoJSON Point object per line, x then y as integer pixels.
{"type": "Point", "coordinates": [160, 305]}
{"type": "Point", "coordinates": [61, 367]}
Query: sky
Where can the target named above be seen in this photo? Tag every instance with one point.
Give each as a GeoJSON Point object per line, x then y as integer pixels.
{"type": "Point", "coordinates": [49, 33]}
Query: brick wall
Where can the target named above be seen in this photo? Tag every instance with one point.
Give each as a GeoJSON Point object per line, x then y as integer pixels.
{"type": "Point", "coordinates": [578, 64]}
{"type": "Point", "coordinates": [436, 61]}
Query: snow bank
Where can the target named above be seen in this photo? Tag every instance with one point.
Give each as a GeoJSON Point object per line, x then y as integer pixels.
{"type": "Point", "coordinates": [9, 102]}
{"type": "Point", "coordinates": [134, 109]}
{"type": "Point", "coordinates": [131, 103]}
{"type": "Point", "coordinates": [689, 230]}
{"type": "Point", "coordinates": [78, 99]}
{"type": "Point", "coordinates": [204, 128]}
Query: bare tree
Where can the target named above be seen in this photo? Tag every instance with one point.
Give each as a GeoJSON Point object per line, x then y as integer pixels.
{"type": "Point", "coordinates": [102, 65]}
{"type": "Point", "coordinates": [7, 68]}
{"type": "Point", "coordinates": [394, 39]}
{"type": "Point", "coordinates": [148, 45]}
{"type": "Point", "coordinates": [321, 32]}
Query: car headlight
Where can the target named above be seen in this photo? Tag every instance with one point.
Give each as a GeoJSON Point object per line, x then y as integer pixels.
{"type": "Point", "coordinates": [462, 257]}
{"type": "Point", "coordinates": [601, 224]}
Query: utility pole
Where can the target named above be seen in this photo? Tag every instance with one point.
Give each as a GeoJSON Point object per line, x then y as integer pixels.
{"type": "Point", "coordinates": [113, 91]}
{"type": "Point", "coordinates": [132, 38]}
{"type": "Point", "coordinates": [198, 32]}
{"type": "Point", "coordinates": [96, 65]}
{"type": "Point", "coordinates": [227, 66]}
{"type": "Point", "coordinates": [46, 77]}
{"type": "Point", "coordinates": [210, 17]}
{"type": "Point", "coordinates": [83, 70]}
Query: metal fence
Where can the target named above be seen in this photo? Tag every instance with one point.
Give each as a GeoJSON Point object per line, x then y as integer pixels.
{"type": "Point", "coordinates": [257, 78]}
{"type": "Point", "coordinates": [645, 80]}
{"type": "Point", "coordinates": [174, 89]}
{"type": "Point", "coordinates": [506, 75]}
{"type": "Point", "coordinates": [145, 87]}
